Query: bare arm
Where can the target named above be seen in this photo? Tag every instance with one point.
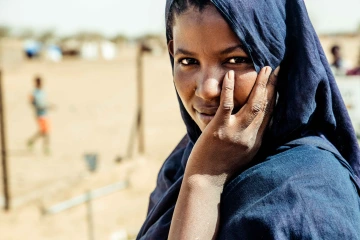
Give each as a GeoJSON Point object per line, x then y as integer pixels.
{"type": "Point", "coordinates": [226, 145]}
{"type": "Point", "coordinates": [31, 99]}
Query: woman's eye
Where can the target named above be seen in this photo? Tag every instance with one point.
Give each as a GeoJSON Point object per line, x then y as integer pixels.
{"type": "Point", "coordinates": [188, 61]}
{"type": "Point", "coordinates": [236, 60]}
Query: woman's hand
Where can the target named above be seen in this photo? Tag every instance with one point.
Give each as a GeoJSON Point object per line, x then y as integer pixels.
{"type": "Point", "coordinates": [230, 141]}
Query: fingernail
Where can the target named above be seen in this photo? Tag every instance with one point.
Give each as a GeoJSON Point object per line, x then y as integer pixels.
{"type": "Point", "coordinates": [276, 72]}
{"type": "Point", "coordinates": [268, 70]}
{"type": "Point", "coordinates": [231, 74]}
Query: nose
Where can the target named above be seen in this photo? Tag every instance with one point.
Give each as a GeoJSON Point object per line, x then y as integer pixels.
{"type": "Point", "coordinates": [208, 85]}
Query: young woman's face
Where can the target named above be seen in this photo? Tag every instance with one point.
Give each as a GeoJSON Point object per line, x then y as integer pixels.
{"type": "Point", "coordinates": [204, 49]}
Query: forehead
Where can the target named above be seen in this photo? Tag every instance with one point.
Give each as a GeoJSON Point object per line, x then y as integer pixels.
{"type": "Point", "coordinates": [206, 29]}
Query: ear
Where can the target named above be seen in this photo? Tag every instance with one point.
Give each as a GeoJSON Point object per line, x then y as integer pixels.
{"type": "Point", "coordinates": [171, 47]}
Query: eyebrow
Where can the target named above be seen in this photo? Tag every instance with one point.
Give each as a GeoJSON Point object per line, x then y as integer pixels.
{"type": "Point", "coordinates": [184, 52]}
{"type": "Point", "coordinates": [231, 49]}
{"type": "Point", "coordinates": [223, 52]}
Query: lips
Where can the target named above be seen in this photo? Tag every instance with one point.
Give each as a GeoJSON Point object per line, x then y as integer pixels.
{"type": "Point", "coordinates": [205, 114]}
{"type": "Point", "coordinates": [209, 111]}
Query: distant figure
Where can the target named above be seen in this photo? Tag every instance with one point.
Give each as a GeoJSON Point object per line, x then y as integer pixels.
{"type": "Point", "coordinates": [338, 65]}
{"type": "Point", "coordinates": [356, 70]}
{"type": "Point", "coordinates": [32, 49]}
{"type": "Point", "coordinates": [38, 101]}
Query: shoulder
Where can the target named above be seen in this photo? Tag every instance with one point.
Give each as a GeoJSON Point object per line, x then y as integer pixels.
{"type": "Point", "coordinates": [303, 192]}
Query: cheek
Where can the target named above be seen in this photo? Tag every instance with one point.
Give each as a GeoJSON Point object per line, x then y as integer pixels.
{"type": "Point", "coordinates": [243, 85]}
{"type": "Point", "coordinates": [184, 86]}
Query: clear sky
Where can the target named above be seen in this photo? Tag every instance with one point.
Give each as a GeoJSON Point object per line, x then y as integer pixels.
{"type": "Point", "coordinates": [135, 17]}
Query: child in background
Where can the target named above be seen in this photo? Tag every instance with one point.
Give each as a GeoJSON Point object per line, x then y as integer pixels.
{"type": "Point", "coordinates": [38, 101]}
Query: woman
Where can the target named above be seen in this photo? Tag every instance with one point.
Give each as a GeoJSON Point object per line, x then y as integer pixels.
{"type": "Point", "coordinates": [243, 174]}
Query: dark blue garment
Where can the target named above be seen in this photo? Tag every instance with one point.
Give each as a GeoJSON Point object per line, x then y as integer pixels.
{"type": "Point", "coordinates": [304, 190]}
{"type": "Point", "coordinates": [301, 192]}
{"type": "Point", "coordinates": [304, 183]}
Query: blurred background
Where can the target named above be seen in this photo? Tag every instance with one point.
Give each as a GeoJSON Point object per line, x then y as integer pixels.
{"type": "Point", "coordinates": [88, 110]}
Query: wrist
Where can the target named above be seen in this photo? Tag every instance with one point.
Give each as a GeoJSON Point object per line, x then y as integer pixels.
{"type": "Point", "coordinates": [204, 182]}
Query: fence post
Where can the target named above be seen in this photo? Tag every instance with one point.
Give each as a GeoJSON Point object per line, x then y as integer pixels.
{"type": "Point", "coordinates": [3, 148]}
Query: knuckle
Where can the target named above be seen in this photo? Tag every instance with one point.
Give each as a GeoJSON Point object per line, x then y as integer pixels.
{"type": "Point", "coordinates": [246, 144]}
{"type": "Point", "coordinates": [220, 134]}
{"type": "Point", "coordinates": [256, 108]}
{"type": "Point", "coordinates": [261, 84]}
{"type": "Point", "coordinates": [228, 88]}
{"type": "Point", "coordinates": [228, 105]}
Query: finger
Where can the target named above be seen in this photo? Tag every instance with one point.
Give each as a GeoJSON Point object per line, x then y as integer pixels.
{"type": "Point", "coordinates": [271, 84]}
{"type": "Point", "coordinates": [262, 122]}
{"type": "Point", "coordinates": [258, 126]}
{"type": "Point", "coordinates": [227, 96]}
{"type": "Point", "coordinates": [256, 103]}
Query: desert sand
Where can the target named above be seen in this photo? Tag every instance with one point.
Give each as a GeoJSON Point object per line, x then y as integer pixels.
{"type": "Point", "coordinates": [94, 106]}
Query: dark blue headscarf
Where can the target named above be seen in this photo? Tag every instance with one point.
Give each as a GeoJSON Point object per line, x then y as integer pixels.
{"type": "Point", "coordinates": [310, 124]}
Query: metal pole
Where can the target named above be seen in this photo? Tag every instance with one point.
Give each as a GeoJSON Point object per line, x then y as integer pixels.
{"type": "Point", "coordinates": [140, 100]}
{"type": "Point", "coordinates": [3, 149]}
{"type": "Point", "coordinates": [94, 194]}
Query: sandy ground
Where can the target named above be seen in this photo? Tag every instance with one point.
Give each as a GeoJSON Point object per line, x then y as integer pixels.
{"type": "Point", "coordinates": [94, 111]}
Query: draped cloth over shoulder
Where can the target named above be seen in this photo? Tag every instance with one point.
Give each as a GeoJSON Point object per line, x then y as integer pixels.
{"type": "Point", "coordinates": [310, 123]}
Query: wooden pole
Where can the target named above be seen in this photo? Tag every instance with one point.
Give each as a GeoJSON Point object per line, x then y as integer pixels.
{"type": "Point", "coordinates": [132, 139]}
{"type": "Point", "coordinates": [140, 100]}
{"type": "Point", "coordinates": [3, 149]}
